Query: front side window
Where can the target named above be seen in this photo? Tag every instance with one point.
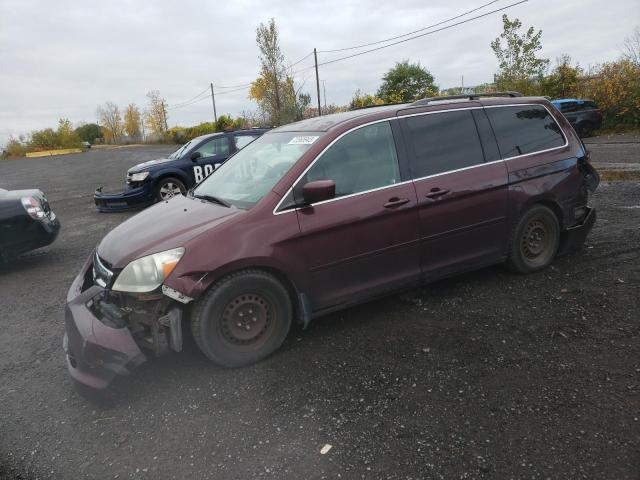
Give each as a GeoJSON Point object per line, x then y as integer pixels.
{"type": "Point", "coordinates": [253, 171]}
{"type": "Point", "coordinates": [215, 146]}
{"type": "Point", "coordinates": [524, 129]}
{"type": "Point", "coordinates": [443, 142]}
{"type": "Point", "coordinates": [362, 160]}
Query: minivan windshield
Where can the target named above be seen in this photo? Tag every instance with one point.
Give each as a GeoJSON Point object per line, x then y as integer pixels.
{"type": "Point", "coordinates": [248, 175]}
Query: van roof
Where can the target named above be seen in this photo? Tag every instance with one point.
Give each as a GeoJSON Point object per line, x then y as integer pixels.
{"type": "Point", "coordinates": [326, 122]}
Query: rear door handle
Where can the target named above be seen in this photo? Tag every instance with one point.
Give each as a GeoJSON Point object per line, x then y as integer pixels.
{"type": "Point", "coordinates": [395, 202]}
{"type": "Point", "coordinates": [436, 192]}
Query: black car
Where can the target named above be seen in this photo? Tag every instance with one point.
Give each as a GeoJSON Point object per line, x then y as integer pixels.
{"type": "Point", "coordinates": [584, 115]}
{"type": "Point", "coordinates": [164, 178]}
{"type": "Point", "coordinates": [26, 222]}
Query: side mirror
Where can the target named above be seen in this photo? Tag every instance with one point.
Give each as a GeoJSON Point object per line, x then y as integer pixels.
{"type": "Point", "coordinates": [195, 155]}
{"type": "Point", "coordinates": [318, 191]}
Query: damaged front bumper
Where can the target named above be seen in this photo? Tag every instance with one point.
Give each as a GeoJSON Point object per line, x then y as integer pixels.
{"type": "Point", "coordinates": [104, 339]}
{"type": "Point", "coordinates": [134, 196]}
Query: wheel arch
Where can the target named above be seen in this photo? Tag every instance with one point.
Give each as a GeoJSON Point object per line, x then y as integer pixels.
{"type": "Point", "coordinates": [299, 299]}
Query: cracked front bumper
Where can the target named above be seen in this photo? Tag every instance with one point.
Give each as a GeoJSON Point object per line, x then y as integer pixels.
{"type": "Point", "coordinates": [132, 197]}
{"type": "Point", "coordinates": [95, 352]}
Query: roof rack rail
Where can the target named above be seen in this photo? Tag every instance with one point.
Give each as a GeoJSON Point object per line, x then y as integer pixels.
{"type": "Point", "coordinates": [471, 96]}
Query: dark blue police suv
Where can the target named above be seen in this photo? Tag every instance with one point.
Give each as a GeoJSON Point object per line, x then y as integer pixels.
{"type": "Point", "coordinates": [164, 178]}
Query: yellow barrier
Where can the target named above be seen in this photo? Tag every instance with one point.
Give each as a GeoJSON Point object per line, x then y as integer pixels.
{"type": "Point", "coordinates": [47, 153]}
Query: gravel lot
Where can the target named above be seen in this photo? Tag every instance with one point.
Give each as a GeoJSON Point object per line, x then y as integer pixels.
{"type": "Point", "coordinates": [487, 375]}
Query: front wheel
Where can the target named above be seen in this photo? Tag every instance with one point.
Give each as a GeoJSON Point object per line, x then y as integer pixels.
{"type": "Point", "coordinates": [242, 319]}
{"type": "Point", "coordinates": [535, 240]}
{"type": "Point", "coordinates": [168, 188]}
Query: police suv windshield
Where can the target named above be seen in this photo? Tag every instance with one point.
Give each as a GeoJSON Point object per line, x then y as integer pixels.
{"type": "Point", "coordinates": [178, 153]}
{"type": "Point", "coordinates": [249, 174]}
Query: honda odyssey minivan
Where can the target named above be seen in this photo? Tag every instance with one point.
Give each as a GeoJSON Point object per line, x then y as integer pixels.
{"type": "Point", "coordinates": [325, 213]}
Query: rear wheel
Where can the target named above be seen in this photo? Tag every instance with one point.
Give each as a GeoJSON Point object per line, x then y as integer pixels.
{"type": "Point", "coordinates": [168, 188]}
{"type": "Point", "coordinates": [535, 240]}
{"type": "Point", "coordinates": [242, 319]}
{"type": "Point", "coordinates": [584, 129]}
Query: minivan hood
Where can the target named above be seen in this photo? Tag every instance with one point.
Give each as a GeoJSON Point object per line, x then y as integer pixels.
{"type": "Point", "coordinates": [146, 165]}
{"type": "Point", "coordinates": [162, 227]}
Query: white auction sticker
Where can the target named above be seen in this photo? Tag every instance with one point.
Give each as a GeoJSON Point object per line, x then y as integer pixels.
{"type": "Point", "coordinates": [308, 140]}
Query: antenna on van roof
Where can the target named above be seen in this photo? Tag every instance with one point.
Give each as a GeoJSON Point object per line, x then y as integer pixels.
{"type": "Point", "coordinates": [472, 96]}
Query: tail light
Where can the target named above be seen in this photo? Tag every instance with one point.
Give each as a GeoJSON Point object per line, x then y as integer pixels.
{"type": "Point", "coordinates": [33, 207]}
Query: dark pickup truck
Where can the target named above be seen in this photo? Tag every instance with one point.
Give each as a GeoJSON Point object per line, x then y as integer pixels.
{"type": "Point", "coordinates": [583, 115]}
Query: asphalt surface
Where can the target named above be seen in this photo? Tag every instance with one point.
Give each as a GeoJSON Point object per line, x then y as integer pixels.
{"type": "Point", "coordinates": [486, 375]}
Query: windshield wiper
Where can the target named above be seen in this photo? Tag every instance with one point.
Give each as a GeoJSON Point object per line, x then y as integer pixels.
{"type": "Point", "coordinates": [211, 198]}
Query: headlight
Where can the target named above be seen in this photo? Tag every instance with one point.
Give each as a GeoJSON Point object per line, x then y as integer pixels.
{"type": "Point", "coordinates": [147, 273]}
{"type": "Point", "coordinates": [138, 177]}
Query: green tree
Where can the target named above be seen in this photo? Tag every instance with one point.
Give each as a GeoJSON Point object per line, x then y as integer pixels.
{"type": "Point", "coordinates": [89, 132]}
{"type": "Point", "coordinates": [520, 68]}
{"type": "Point", "coordinates": [66, 135]}
{"type": "Point", "coordinates": [406, 82]}
{"type": "Point", "coordinates": [564, 80]}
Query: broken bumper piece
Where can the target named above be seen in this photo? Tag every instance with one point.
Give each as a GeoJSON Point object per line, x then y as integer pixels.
{"type": "Point", "coordinates": [132, 197]}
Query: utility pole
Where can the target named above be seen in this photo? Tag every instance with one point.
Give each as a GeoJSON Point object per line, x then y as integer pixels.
{"type": "Point", "coordinates": [164, 115]}
{"type": "Point", "coordinates": [324, 92]}
{"type": "Point", "coordinates": [315, 58]}
{"type": "Point", "coordinates": [462, 87]}
{"type": "Point", "coordinates": [213, 99]}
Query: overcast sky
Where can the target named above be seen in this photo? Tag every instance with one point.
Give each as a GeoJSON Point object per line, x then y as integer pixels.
{"type": "Point", "coordinates": [62, 58]}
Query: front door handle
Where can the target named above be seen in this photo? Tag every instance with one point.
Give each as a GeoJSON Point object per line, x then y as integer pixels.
{"type": "Point", "coordinates": [436, 192]}
{"type": "Point", "coordinates": [395, 202]}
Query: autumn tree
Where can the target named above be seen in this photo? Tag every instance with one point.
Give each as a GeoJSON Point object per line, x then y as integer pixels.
{"type": "Point", "coordinates": [360, 100]}
{"type": "Point", "coordinates": [156, 113]}
{"type": "Point", "coordinates": [274, 90]}
{"type": "Point", "coordinates": [406, 82]}
{"type": "Point", "coordinates": [111, 120]}
{"type": "Point", "coordinates": [564, 80]}
{"type": "Point", "coordinates": [520, 68]}
{"type": "Point", "coordinates": [616, 89]}
{"type": "Point", "coordinates": [132, 121]}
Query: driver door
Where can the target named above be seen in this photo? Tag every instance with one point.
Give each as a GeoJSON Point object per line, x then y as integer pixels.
{"type": "Point", "coordinates": [213, 152]}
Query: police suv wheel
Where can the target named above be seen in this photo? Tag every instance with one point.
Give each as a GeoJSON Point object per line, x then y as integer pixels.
{"type": "Point", "coordinates": [242, 319]}
{"type": "Point", "coordinates": [535, 240]}
{"type": "Point", "coordinates": [168, 188]}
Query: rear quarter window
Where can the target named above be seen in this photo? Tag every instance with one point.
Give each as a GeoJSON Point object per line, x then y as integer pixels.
{"type": "Point", "coordinates": [524, 129]}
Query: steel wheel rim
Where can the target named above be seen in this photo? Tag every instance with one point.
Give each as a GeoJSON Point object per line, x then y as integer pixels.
{"type": "Point", "coordinates": [535, 242]}
{"type": "Point", "coordinates": [170, 190]}
{"type": "Point", "coordinates": [246, 319]}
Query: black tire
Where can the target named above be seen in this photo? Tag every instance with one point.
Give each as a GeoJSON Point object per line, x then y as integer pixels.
{"type": "Point", "coordinates": [534, 241]}
{"type": "Point", "coordinates": [168, 188]}
{"type": "Point", "coordinates": [242, 319]}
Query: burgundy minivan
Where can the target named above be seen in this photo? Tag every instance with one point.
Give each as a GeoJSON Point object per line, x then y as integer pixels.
{"type": "Point", "coordinates": [325, 213]}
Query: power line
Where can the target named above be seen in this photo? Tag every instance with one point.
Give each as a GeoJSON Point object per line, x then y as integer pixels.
{"type": "Point", "coordinates": [421, 35]}
{"type": "Point", "coordinates": [186, 104]}
{"type": "Point", "coordinates": [233, 86]}
{"type": "Point", "coordinates": [187, 101]}
{"type": "Point", "coordinates": [305, 57]}
{"type": "Point", "coordinates": [410, 33]}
